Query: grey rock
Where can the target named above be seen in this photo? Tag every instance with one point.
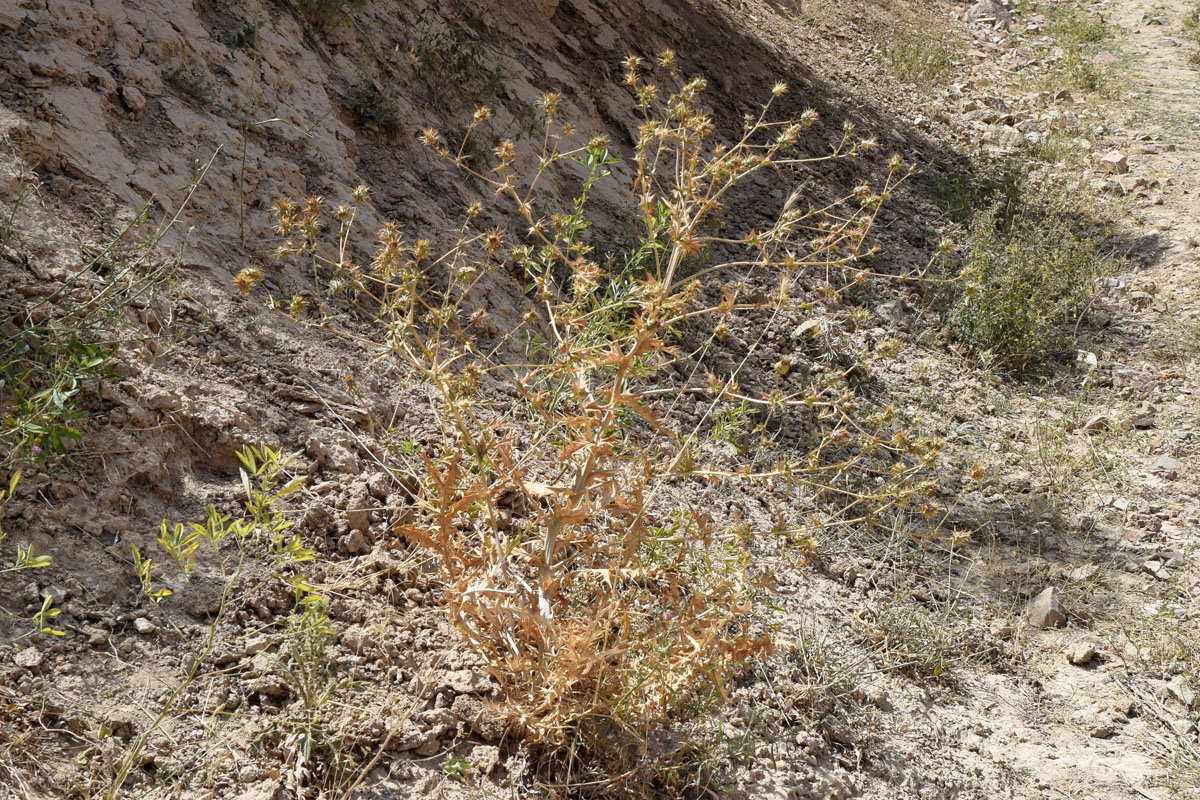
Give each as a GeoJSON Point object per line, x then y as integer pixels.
{"type": "Point", "coordinates": [465, 681]}
{"type": "Point", "coordinates": [133, 99]}
{"type": "Point", "coordinates": [1168, 464]}
{"type": "Point", "coordinates": [896, 312]}
{"type": "Point", "coordinates": [989, 9]}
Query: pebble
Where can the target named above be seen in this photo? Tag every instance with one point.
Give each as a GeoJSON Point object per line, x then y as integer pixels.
{"type": "Point", "coordinates": [30, 658]}
{"type": "Point", "coordinates": [1081, 653]}
{"type": "Point", "coordinates": [1046, 610]}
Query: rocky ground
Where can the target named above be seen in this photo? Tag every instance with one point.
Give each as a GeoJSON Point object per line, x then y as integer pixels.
{"type": "Point", "coordinates": [1052, 653]}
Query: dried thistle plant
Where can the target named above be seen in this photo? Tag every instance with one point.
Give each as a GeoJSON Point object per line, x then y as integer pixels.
{"type": "Point", "coordinates": [599, 599]}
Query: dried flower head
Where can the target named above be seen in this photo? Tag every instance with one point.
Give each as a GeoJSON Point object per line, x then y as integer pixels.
{"type": "Point", "coordinates": [549, 103]}
{"type": "Point", "coordinates": [431, 139]}
{"type": "Point", "coordinates": [248, 279]}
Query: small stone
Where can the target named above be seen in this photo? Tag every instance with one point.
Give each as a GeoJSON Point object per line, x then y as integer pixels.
{"type": "Point", "coordinates": [1156, 570]}
{"type": "Point", "coordinates": [96, 636]}
{"type": "Point", "coordinates": [30, 658]}
{"type": "Point", "coordinates": [989, 11]}
{"type": "Point", "coordinates": [1143, 419]}
{"type": "Point", "coordinates": [896, 312]}
{"type": "Point", "coordinates": [379, 485]}
{"type": "Point", "coordinates": [342, 460]}
{"type": "Point", "coordinates": [1168, 465]}
{"type": "Point", "coordinates": [485, 758]}
{"type": "Point", "coordinates": [1046, 610]}
{"type": "Point", "coordinates": [1084, 572]}
{"type": "Point", "coordinates": [429, 747]}
{"type": "Point", "coordinates": [359, 519]}
{"type": "Point", "coordinates": [257, 644]}
{"type": "Point", "coordinates": [806, 331]}
{"type": "Point", "coordinates": [1081, 653]}
{"type": "Point", "coordinates": [355, 543]}
{"type": "Point", "coordinates": [1114, 162]}
{"type": "Point", "coordinates": [465, 681]}
{"type": "Point", "coordinates": [144, 626]}
{"type": "Point", "coordinates": [1182, 691]}
{"type": "Point", "coordinates": [1140, 299]}
{"type": "Point", "coordinates": [133, 99]}
{"type": "Point", "coordinates": [877, 695]}
{"type": "Point", "coordinates": [1183, 727]}
{"type": "Point", "coordinates": [163, 400]}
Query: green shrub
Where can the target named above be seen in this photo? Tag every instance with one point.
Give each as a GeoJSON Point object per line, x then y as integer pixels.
{"type": "Point", "coordinates": [1026, 272]}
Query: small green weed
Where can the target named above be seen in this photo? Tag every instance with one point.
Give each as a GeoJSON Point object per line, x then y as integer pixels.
{"type": "Point", "coordinates": [920, 54]}
{"type": "Point", "coordinates": [372, 106]}
{"type": "Point", "coordinates": [1026, 272]}
{"type": "Point", "coordinates": [193, 83]}
{"type": "Point", "coordinates": [230, 548]}
{"type": "Point", "coordinates": [43, 371]}
{"type": "Point", "coordinates": [447, 55]}
{"type": "Point", "coordinates": [245, 37]}
{"type": "Point", "coordinates": [1078, 34]}
{"type": "Point", "coordinates": [1191, 21]}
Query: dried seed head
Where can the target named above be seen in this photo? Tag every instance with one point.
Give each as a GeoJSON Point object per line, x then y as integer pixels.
{"type": "Point", "coordinates": [506, 151]}
{"type": "Point", "coordinates": [431, 139]}
{"type": "Point", "coordinates": [549, 103]}
{"type": "Point", "coordinates": [631, 64]}
{"type": "Point", "coordinates": [247, 279]}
